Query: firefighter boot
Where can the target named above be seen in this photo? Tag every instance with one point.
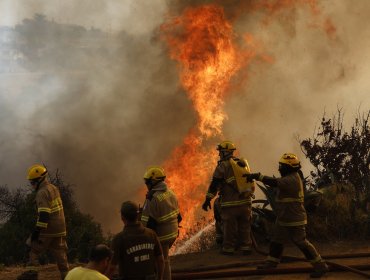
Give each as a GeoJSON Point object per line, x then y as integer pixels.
{"type": "Point", "coordinates": [320, 268]}
{"type": "Point", "coordinates": [273, 259]}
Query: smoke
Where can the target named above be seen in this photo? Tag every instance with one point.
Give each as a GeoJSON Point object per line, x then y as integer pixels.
{"type": "Point", "coordinates": [313, 71]}
{"type": "Point", "coordinates": [101, 105]}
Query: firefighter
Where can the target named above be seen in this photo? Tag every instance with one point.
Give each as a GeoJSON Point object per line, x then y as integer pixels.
{"type": "Point", "coordinates": [291, 215]}
{"type": "Point", "coordinates": [235, 199]}
{"type": "Point", "coordinates": [137, 250]}
{"type": "Point", "coordinates": [161, 212]}
{"type": "Point", "coordinates": [50, 231]}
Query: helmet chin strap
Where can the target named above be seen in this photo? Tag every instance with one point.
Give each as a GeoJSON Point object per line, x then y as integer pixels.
{"type": "Point", "coordinates": [152, 183]}
{"type": "Point", "coordinates": [42, 179]}
{"type": "Point", "coordinates": [225, 154]}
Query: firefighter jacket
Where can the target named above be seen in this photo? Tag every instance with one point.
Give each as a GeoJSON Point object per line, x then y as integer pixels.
{"type": "Point", "coordinates": [161, 212]}
{"type": "Point", "coordinates": [224, 181]}
{"type": "Point", "coordinates": [289, 199]}
{"type": "Point", "coordinates": [50, 211]}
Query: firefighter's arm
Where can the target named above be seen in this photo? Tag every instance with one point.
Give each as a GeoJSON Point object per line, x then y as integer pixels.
{"type": "Point", "coordinates": [145, 213]}
{"type": "Point", "coordinates": [42, 223]}
{"type": "Point", "coordinates": [150, 213]}
{"type": "Point", "coordinates": [270, 181]}
{"type": "Point", "coordinates": [212, 191]}
{"type": "Point", "coordinates": [43, 210]}
{"type": "Point", "coordinates": [152, 223]}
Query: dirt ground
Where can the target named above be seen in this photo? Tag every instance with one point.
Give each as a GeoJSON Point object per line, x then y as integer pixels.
{"type": "Point", "coordinates": [212, 258]}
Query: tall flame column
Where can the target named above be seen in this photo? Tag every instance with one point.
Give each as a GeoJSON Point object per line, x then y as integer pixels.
{"type": "Point", "coordinates": [201, 40]}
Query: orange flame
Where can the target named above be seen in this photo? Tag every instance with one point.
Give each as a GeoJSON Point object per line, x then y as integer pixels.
{"type": "Point", "coordinates": [201, 40]}
{"type": "Point", "coordinates": [203, 46]}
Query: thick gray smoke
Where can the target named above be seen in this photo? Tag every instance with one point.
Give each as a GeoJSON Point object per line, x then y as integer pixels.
{"type": "Point", "coordinates": [102, 105]}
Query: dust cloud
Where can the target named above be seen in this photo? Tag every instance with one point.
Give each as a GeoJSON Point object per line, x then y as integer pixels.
{"type": "Point", "coordinates": [96, 95]}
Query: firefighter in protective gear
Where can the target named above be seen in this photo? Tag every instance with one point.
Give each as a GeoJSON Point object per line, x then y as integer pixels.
{"type": "Point", "coordinates": [50, 231]}
{"type": "Point", "coordinates": [161, 212]}
{"type": "Point", "coordinates": [291, 214]}
{"type": "Point", "coordinates": [236, 204]}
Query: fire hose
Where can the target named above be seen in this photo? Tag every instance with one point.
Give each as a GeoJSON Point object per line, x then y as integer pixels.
{"type": "Point", "coordinates": [213, 271]}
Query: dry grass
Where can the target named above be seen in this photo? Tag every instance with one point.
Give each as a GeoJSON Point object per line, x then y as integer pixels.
{"type": "Point", "coordinates": [339, 216]}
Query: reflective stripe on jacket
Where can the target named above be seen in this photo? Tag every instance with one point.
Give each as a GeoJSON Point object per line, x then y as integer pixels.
{"type": "Point", "coordinates": [289, 199]}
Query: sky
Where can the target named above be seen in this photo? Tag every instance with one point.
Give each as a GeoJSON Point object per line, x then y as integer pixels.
{"type": "Point", "coordinates": [102, 126]}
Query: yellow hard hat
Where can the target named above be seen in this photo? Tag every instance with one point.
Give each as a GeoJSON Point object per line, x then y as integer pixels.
{"type": "Point", "coordinates": [290, 159]}
{"type": "Point", "coordinates": [155, 173]}
{"type": "Point", "coordinates": [226, 146]}
{"type": "Point", "coordinates": [36, 171]}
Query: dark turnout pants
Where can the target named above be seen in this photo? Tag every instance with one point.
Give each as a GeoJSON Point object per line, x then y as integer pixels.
{"type": "Point", "coordinates": [166, 245]}
{"type": "Point", "coordinates": [236, 228]}
{"type": "Point", "coordinates": [57, 246]}
{"type": "Point", "coordinates": [297, 235]}
{"type": "Point", "coordinates": [218, 220]}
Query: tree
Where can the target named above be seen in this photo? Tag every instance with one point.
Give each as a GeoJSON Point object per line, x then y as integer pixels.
{"type": "Point", "coordinates": [18, 214]}
{"type": "Point", "coordinates": [345, 155]}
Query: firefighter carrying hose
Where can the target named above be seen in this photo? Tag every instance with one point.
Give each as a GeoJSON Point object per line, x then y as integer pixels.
{"type": "Point", "coordinates": [291, 215]}
{"type": "Point", "coordinates": [235, 199]}
{"type": "Point", "coordinates": [161, 212]}
{"type": "Point", "coordinates": [50, 231]}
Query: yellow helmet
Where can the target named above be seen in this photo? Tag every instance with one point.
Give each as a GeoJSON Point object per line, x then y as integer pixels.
{"type": "Point", "coordinates": [155, 173]}
{"type": "Point", "coordinates": [36, 171]}
{"type": "Point", "coordinates": [291, 160]}
{"type": "Point", "coordinates": [226, 146]}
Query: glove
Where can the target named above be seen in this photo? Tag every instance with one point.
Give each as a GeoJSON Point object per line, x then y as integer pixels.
{"type": "Point", "coordinates": [35, 235]}
{"type": "Point", "coordinates": [252, 176]}
{"type": "Point", "coordinates": [207, 204]}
